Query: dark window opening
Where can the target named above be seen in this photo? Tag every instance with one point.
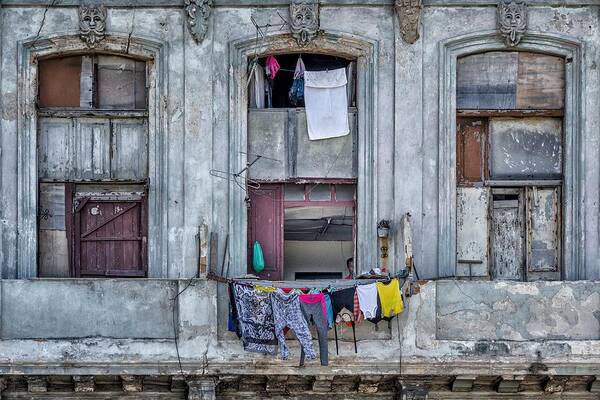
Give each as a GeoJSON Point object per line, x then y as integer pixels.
{"type": "Point", "coordinates": [277, 90]}
{"type": "Point", "coordinates": [303, 229]}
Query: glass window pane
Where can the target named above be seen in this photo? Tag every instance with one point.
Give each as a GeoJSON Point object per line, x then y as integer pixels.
{"type": "Point", "coordinates": [525, 148]}
{"type": "Point", "coordinates": [294, 192]}
{"type": "Point", "coordinates": [121, 83]}
{"type": "Point", "coordinates": [320, 192]}
{"type": "Point", "coordinates": [59, 82]}
{"type": "Point", "coordinates": [344, 192]}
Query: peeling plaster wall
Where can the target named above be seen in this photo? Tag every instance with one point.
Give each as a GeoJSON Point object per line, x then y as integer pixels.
{"type": "Point", "coordinates": [408, 93]}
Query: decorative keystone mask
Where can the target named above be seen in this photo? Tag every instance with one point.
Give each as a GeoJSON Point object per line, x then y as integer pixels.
{"type": "Point", "coordinates": [304, 20]}
{"type": "Point", "coordinates": [512, 21]}
{"type": "Point", "coordinates": [92, 24]}
{"type": "Point", "coordinates": [197, 13]}
{"type": "Point", "coordinates": [409, 15]}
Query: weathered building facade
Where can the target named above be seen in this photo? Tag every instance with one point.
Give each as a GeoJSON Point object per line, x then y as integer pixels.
{"type": "Point", "coordinates": [135, 154]}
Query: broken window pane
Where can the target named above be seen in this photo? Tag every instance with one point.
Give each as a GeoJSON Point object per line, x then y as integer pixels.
{"type": "Point", "coordinates": [320, 192]}
{"type": "Point", "coordinates": [525, 148]}
{"type": "Point", "coordinates": [344, 192]}
{"type": "Point", "coordinates": [59, 82]}
{"type": "Point", "coordinates": [121, 83]}
{"type": "Point", "coordinates": [294, 192]}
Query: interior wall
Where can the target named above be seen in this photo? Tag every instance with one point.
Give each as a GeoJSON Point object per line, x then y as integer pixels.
{"type": "Point", "coordinates": [318, 256]}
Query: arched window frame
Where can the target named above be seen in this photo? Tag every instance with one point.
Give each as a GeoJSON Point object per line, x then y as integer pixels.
{"type": "Point", "coordinates": [154, 53]}
{"type": "Point", "coordinates": [574, 184]}
{"type": "Point", "coordinates": [364, 51]}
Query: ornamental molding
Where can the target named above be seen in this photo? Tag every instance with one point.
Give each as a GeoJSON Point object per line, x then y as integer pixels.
{"type": "Point", "coordinates": [304, 21]}
{"type": "Point", "coordinates": [197, 15]}
{"type": "Point", "coordinates": [92, 24]}
{"type": "Point", "coordinates": [409, 16]}
{"type": "Point", "coordinates": [512, 21]}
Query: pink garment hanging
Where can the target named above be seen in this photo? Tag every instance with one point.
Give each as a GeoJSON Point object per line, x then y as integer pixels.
{"type": "Point", "coordinates": [315, 298]}
{"type": "Point", "coordinates": [272, 67]}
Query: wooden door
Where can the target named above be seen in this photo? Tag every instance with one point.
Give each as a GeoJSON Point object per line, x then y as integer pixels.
{"type": "Point", "coordinates": [110, 237]}
{"type": "Point", "coordinates": [265, 224]}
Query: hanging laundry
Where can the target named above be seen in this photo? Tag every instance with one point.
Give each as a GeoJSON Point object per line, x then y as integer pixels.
{"type": "Point", "coordinates": [329, 308]}
{"type": "Point", "coordinates": [391, 298]}
{"type": "Point", "coordinates": [233, 323]}
{"type": "Point", "coordinates": [326, 103]}
{"type": "Point", "coordinates": [287, 312]}
{"type": "Point", "coordinates": [256, 320]}
{"type": "Point", "coordinates": [257, 90]}
{"type": "Point", "coordinates": [296, 94]}
{"type": "Point", "coordinates": [357, 313]}
{"type": "Point", "coordinates": [343, 310]}
{"type": "Point", "coordinates": [314, 310]}
{"type": "Point", "coordinates": [367, 297]}
{"type": "Point", "coordinates": [272, 67]}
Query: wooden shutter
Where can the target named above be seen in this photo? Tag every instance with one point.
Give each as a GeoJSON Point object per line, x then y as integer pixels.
{"type": "Point", "coordinates": [265, 224]}
{"type": "Point", "coordinates": [110, 237]}
{"type": "Point", "coordinates": [507, 235]}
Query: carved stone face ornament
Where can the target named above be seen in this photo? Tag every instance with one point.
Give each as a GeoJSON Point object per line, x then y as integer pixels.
{"type": "Point", "coordinates": [92, 24]}
{"type": "Point", "coordinates": [197, 13]}
{"type": "Point", "coordinates": [409, 15]}
{"type": "Point", "coordinates": [304, 21]}
{"type": "Point", "coordinates": [512, 21]}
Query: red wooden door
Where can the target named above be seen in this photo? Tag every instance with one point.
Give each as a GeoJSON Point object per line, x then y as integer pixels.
{"type": "Point", "coordinates": [265, 224]}
{"type": "Point", "coordinates": [110, 238]}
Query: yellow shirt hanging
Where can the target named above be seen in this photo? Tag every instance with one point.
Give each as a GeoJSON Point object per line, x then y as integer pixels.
{"type": "Point", "coordinates": [390, 298]}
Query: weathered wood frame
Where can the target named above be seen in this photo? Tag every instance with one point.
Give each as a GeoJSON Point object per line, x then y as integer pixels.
{"type": "Point", "coordinates": [573, 223]}
{"type": "Point", "coordinates": [154, 53]}
{"type": "Point", "coordinates": [364, 51]}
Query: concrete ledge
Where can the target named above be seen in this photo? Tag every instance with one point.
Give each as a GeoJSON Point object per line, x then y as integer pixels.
{"type": "Point", "coordinates": [79, 308]}
{"type": "Point", "coordinates": [518, 311]}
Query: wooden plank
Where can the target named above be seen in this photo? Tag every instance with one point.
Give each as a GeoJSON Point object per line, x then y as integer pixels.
{"type": "Point", "coordinates": [487, 81]}
{"type": "Point", "coordinates": [54, 148]}
{"type": "Point", "coordinates": [543, 229]}
{"type": "Point", "coordinates": [541, 82]}
{"type": "Point", "coordinates": [214, 252]}
{"type": "Point", "coordinates": [472, 227]}
{"type": "Point", "coordinates": [471, 154]}
{"type": "Point", "coordinates": [91, 145]}
{"type": "Point", "coordinates": [506, 236]}
{"type": "Point", "coordinates": [53, 254]}
{"type": "Point", "coordinates": [51, 207]}
{"type": "Point", "coordinates": [203, 243]}
{"type": "Point", "coordinates": [510, 113]}
{"type": "Point", "coordinates": [129, 156]}
{"type": "Point", "coordinates": [59, 82]}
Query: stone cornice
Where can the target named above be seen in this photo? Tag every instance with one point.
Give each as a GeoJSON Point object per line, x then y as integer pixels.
{"type": "Point", "coordinates": [285, 3]}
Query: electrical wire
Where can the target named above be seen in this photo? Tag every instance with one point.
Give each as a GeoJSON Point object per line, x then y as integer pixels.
{"type": "Point", "coordinates": [175, 335]}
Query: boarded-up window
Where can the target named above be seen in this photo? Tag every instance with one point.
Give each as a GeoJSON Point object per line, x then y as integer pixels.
{"type": "Point", "coordinates": [510, 81]}
{"type": "Point", "coordinates": [121, 83]}
{"type": "Point", "coordinates": [525, 148]}
{"type": "Point", "coordinates": [97, 82]}
{"type": "Point", "coordinates": [92, 148]}
{"type": "Point", "coordinates": [59, 82]}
